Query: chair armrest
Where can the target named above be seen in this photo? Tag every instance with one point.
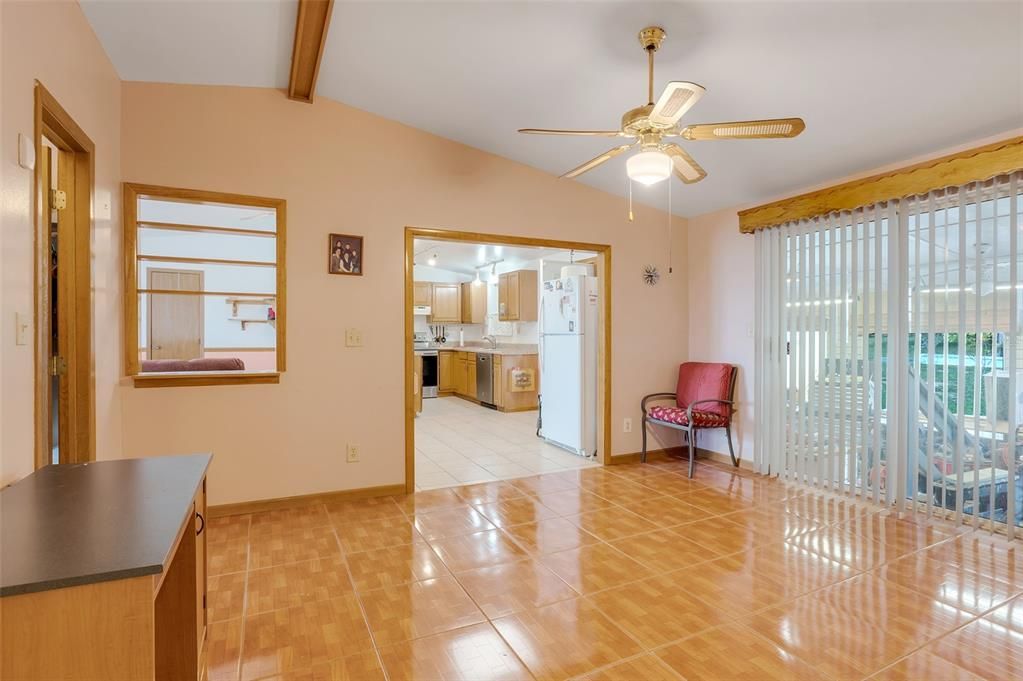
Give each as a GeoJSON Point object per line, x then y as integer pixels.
{"type": "Point", "coordinates": [655, 396]}
{"type": "Point", "coordinates": [689, 409]}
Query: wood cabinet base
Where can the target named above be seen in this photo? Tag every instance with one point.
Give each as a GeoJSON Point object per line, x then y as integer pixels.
{"type": "Point", "coordinates": [149, 628]}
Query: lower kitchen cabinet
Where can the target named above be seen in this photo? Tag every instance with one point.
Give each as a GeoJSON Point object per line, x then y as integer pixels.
{"type": "Point", "coordinates": [445, 372]}
{"type": "Point", "coordinates": [459, 377]}
{"type": "Point", "coordinates": [470, 374]}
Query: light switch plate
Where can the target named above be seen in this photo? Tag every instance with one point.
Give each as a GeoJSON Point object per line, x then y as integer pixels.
{"type": "Point", "coordinates": [26, 152]}
{"type": "Point", "coordinates": [353, 338]}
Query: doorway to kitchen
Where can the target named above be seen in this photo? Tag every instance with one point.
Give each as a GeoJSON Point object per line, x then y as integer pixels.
{"type": "Point", "coordinates": [507, 357]}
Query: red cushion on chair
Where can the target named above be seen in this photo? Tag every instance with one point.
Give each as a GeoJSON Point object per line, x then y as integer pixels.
{"type": "Point", "coordinates": [701, 419]}
{"type": "Point", "coordinates": [704, 381]}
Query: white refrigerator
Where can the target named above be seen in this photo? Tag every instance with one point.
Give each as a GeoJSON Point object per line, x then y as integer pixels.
{"type": "Point", "coordinates": [568, 363]}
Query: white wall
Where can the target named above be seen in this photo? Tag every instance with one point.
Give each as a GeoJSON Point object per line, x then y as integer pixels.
{"type": "Point", "coordinates": [53, 43]}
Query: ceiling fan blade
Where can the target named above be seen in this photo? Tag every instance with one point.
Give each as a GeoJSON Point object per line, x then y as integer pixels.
{"type": "Point", "coordinates": [686, 169]}
{"type": "Point", "coordinates": [678, 98]}
{"type": "Point", "coordinates": [774, 127]}
{"type": "Point", "coordinates": [594, 162]}
{"type": "Point", "coordinates": [592, 133]}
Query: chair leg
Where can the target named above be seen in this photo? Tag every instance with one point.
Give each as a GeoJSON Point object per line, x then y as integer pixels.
{"type": "Point", "coordinates": [731, 450]}
{"type": "Point", "coordinates": [643, 426]}
{"type": "Point", "coordinates": [692, 452]}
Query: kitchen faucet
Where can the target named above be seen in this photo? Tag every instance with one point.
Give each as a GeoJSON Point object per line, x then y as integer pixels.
{"type": "Point", "coordinates": [493, 341]}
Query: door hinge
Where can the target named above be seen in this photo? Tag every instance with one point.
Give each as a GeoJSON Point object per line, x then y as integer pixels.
{"type": "Point", "coordinates": [58, 366]}
{"type": "Point", "coordinates": [58, 199]}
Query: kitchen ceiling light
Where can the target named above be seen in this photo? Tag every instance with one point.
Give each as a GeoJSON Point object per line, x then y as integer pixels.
{"type": "Point", "coordinates": [649, 167]}
{"type": "Point", "coordinates": [432, 262]}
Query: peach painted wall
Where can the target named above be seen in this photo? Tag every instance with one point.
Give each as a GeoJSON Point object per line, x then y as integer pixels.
{"type": "Point", "coordinates": [721, 306]}
{"type": "Point", "coordinates": [345, 170]}
{"type": "Point", "coordinates": [53, 42]}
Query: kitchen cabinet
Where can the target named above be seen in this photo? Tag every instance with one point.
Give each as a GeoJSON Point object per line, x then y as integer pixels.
{"type": "Point", "coordinates": [459, 374]}
{"type": "Point", "coordinates": [445, 375]}
{"type": "Point", "coordinates": [470, 374]}
{"type": "Point", "coordinates": [422, 293]}
{"type": "Point", "coordinates": [512, 399]}
{"type": "Point", "coordinates": [447, 304]}
{"type": "Point", "coordinates": [105, 571]}
{"type": "Point", "coordinates": [474, 302]}
{"type": "Point", "coordinates": [517, 296]}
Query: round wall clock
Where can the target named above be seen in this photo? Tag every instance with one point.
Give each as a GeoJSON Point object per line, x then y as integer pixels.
{"type": "Point", "coordinates": [651, 275]}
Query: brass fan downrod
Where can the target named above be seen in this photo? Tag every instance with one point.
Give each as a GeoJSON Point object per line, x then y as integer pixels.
{"type": "Point", "coordinates": [651, 38]}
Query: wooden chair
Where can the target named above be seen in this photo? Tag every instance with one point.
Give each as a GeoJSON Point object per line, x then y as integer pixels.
{"type": "Point", "coordinates": [699, 383]}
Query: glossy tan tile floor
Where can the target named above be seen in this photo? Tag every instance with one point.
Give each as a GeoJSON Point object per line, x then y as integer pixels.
{"type": "Point", "coordinates": [626, 573]}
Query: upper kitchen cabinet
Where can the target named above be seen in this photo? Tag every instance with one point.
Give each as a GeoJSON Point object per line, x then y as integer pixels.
{"type": "Point", "coordinates": [517, 296]}
{"type": "Point", "coordinates": [447, 304]}
{"type": "Point", "coordinates": [474, 303]}
{"type": "Point", "coordinates": [422, 293]}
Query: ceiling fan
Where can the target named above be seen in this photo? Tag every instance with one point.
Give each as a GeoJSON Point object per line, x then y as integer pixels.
{"type": "Point", "coordinates": [651, 123]}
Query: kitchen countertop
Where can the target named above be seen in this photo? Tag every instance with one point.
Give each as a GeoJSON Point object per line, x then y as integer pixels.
{"type": "Point", "coordinates": [520, 350]}
{"type": "Point", "coordinates": [72, 524]}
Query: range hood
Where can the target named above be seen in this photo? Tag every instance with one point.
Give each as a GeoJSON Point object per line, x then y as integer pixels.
{"type": "Point", "coordinates": [421, 310]}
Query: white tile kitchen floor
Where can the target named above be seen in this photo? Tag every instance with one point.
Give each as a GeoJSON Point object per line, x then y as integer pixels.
{"type": "Point", "coordinates": [458, 442]}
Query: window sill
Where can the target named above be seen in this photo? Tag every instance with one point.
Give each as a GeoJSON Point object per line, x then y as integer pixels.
{"type": "Point", "coordinates": [198, 378]}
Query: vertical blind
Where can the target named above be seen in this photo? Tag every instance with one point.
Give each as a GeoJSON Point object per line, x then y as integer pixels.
{"type": "Point", "coordinates": [888, 352]}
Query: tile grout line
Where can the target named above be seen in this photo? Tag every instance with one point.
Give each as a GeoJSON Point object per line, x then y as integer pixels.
{"type": "Point", "coordinates": [358, 600]}
{"type": "Point", "coordinates": [855, 529]}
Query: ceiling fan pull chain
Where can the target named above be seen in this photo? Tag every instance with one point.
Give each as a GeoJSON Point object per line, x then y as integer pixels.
{"type": "Point", "coordinates": [670, 240]}
{"type": "Point", "coordinates": [628, 184]}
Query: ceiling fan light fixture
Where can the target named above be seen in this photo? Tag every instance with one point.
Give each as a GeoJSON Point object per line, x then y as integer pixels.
{"type": "Point", "coordinates": [649, 167]}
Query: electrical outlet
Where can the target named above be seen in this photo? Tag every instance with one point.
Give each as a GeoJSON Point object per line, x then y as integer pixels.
{"type": "Point", "coordinates": [353, 338]}
{"type": "Point", "coordinates": [627, 425]}
{"type": "Point", "coordinates": [352, 453]}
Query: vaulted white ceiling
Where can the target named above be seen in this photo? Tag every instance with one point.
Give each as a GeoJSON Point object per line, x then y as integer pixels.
{"type": "Point", "coordinates": [876, 82]}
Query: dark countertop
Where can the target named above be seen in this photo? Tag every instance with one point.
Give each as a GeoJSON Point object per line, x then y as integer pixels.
{"type": "Point", "coordinates": [84, 523]}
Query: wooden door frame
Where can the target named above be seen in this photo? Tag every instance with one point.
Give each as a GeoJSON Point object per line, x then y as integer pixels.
{"type": "Point", "coordinates": [53, 122]}
{"type": "Point", "coordinates": [149, 307]}
{"type": "Point", "coordinates": [604, 343]}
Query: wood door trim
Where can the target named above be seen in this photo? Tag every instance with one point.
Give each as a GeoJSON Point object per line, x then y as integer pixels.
{"type": "Point", "coordinates": [149, 306]}
{"type": "Point", "coordinates": [54, 122]}
{"type": "Point", "coordinates": [604, 361]}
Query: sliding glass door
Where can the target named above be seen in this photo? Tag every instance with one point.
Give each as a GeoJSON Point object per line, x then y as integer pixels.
{"type": "Point", "coordinates": [889, 348]}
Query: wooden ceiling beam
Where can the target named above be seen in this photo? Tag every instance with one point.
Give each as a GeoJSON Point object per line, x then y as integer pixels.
{"type": "Point", "coordinates": [310, 37]}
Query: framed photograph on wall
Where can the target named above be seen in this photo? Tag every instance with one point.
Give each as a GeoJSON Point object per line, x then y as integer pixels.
{"type": "Point", "coordinates": [344, 254]}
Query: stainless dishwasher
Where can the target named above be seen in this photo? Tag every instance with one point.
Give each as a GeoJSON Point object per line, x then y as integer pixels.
{"type": "Point", "coordinates": [485, 378]}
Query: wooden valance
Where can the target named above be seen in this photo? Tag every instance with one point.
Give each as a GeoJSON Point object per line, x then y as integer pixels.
{"type": "Point", "coordinates": [957, 169]}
